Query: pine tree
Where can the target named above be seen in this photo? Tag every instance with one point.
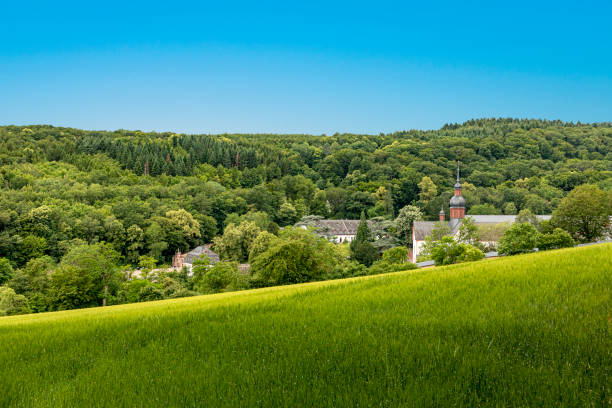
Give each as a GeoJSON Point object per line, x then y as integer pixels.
{"type": "Point", "coordinates": [362, 249]}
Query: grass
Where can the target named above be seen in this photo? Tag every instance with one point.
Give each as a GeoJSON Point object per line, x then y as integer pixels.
{"type": "Point", "coordinates": [531, 330]}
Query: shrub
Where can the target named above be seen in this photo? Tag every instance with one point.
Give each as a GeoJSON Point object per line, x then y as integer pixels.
{"type": "Point", "coordinates": [396, 255]}
{"type": "Point", "coordinates": [470, 253]}
{"type": "Point", "coordinates": [519, 238]}
{"type": "Point", "coordinates": [348, 270]}
{"type": "Point", "coordinates": [296, 256]}
{"type": "Point", "coordinates": [150, 292]}
{"type": "Point", "coordinates": [217, 278]}
{"type": "Point", "coordinates": [134, 291]}
{"type": "Point", "coordinates": [448, 251]}
{"type": "Point", "coordinates": [381, 266]}
{"type": "Point", "coordinates": [559, 238]}
{"type": "Point", "coordinates": [6, 270]}
{"type": "Point", "coordinates": [12, 303]}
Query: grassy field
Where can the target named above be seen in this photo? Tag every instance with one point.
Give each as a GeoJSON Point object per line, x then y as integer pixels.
{"type": "Point", "coordinates": [532, 330]}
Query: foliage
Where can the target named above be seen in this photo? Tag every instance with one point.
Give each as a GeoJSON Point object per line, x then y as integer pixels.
{"type": "Point", "coordinates": [296, 256]}
{"type": "Point", "coordinates": [406, 217]}
{"type": "Point", "coordinates": [149, 194]}
{"type": "Point", "coordinates": [468, 232]}
{"type": "Point", "coordinates": [6, 270]}
{"type": "Point", "coordinates": [396, 255]}
{"type": "Point", "coordinates": [12, 303]}
{"type": "Point", "coordinates": [223, 276]}
{"type": "Point", "coordinates": [526, 216]}
{"type": "Point", "coordinates": [440, 230]}
{"type": "Point", "coordinates": [236, 241]}
{"type": "Point", "coordinates": [449, 251]}
{"type": "Point", "coordinates": [584, 213]}
{"type": "Point", "coordinates": [71, 287]}
{"type": "Point", "coordinates": [362, 249]}
{"type": "Point", "coordinates": [558, 238]}
{"type": "Point", "coordinates": [519, 238]}
{"type": "Point", "coordinates": [260, 245]}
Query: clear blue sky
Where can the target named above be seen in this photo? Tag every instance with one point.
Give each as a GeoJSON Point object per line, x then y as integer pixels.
{"type": "Point", "coordinates": [308, 67]}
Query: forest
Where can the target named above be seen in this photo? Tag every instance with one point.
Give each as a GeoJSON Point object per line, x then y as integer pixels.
{"type": "Point", "coordinates": [137, 197]}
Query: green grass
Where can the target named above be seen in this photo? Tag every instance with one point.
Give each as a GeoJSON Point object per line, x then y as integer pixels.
{"type": "Point", "coordinates": [530, 330]}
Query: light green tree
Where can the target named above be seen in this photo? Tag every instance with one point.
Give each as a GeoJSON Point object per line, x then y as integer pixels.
{"type": "Point", "coordinates": [403, 223]}
{"type": "Point", "coordinates": [584, 213]}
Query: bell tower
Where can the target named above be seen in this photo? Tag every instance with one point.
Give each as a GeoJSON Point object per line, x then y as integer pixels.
{"type": "Point", "coordinates": [457, 202]}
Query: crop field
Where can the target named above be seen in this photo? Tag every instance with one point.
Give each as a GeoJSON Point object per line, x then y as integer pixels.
{"type": "Point", "coordinates": [531, 330]}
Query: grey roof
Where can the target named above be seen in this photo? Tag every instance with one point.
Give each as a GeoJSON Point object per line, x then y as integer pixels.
{"type": "Point", "coordinates": [198, 251]}
{"type": "Point", "coordinates": [457, 201]}
{"type": "Point", "coordinates": [496, 219]}
{"type": "Point", "coordinates": [423, 228]}
{"type": "Point", "coordinates": [338, 227]}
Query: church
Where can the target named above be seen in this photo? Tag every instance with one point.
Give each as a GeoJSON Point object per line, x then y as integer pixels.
{"type": "Point", "coordinates": [421, 229]}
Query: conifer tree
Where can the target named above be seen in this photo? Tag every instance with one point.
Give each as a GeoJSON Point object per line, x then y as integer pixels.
{"type": "Point", "coordinates": [362, 249]}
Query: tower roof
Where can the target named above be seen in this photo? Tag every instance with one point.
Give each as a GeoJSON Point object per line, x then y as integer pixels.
{"type": "Point", "coordinates": [457, 201]}
{"type": "Point", "coordinates": [458, 183]}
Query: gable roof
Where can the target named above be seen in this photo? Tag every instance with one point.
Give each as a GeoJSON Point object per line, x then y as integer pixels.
{"type": "Point", "coordinates": [422, 229]}
{"type": "Point", "coordinates": [338, 227]}
{"type": "Point", "coordinates": [496, 219]}
{"type": "Point", "coordinates": [201, 250]}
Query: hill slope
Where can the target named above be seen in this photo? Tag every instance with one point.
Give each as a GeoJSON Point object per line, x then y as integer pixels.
{"type": "Point", "coordinates": [530, 330]}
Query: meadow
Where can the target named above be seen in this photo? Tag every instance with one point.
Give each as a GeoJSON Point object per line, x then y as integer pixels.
{"type": "Point", "coordinates": [529, 330]}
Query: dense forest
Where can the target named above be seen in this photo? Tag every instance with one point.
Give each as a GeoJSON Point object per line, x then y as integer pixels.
{"type": "Point", "coordinates": [125, 187]}
{"type": "Point", "coordinates": [150, 194]}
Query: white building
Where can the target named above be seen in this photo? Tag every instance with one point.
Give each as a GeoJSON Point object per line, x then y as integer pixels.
{"type": "Point", "coordinates": [422, 229]}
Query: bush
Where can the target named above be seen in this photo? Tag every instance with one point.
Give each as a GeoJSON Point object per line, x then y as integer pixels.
{"type": "Point", "coordinates": [470, 254]}
{"type": "Point", "coordinates": [396, 255]}
{"type": "Point", "coordinates": [223, 276]}
{"type": "Point", "coordinates": [559, 238]}
{"type": "Point", "coordinates": [448, 251]}
{"type": "Point", "coordinates": [519, 238]}
{"type": "Point", "coordinates": [134, 291]}
{"type": "Point", "coordinates": [348, 270]}
{"type": "Point", "coordinates": [150, 292]}
{"type": "Point", "coordinates": [296, 256]}
{"type": "Point", "coordinates": [6, 270]}
{"type": "Point", "coordinates": [381, 266]}
{"type": "Point", "coordinates": [12, 303]}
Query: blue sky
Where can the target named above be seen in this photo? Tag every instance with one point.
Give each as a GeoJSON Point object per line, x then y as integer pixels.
{"type": "Point", "coordinates": [307, 67]}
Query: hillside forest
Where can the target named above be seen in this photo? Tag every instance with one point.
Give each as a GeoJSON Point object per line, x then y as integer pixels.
{"type": "Point", "coordinates": [76, 203]}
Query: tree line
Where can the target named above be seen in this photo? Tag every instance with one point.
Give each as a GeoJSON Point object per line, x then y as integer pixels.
{"type": "Point", "coordinates": [149, 194]}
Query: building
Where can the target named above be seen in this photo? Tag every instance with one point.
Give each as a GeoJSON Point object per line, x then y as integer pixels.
{"type": "Point", "coordinates": [337, 231]}
{"type": "Point", "coordinates": [421, 229]}
{"type": "Point", "coordinates": [180, 260]}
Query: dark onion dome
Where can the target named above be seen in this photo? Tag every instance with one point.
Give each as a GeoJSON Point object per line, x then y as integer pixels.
{"type": "Point", "coordinates": [457, 201]}
{"type": "Point", "coordinates": [441, 211]}
{"type": "Point", "coordinates": [458, 185]}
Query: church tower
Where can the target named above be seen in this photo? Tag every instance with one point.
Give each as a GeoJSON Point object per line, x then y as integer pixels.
{"type": "Point", "coordinates": [457, 202]}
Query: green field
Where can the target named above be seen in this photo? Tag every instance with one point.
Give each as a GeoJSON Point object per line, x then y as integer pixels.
{"type": "Point", "coordinates": [531, 330]}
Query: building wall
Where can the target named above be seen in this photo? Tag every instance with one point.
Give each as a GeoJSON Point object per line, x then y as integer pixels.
{"type": "Point", "coordinates": [417, 247]}
{"type": "Point", "coordinates": [342, 238]}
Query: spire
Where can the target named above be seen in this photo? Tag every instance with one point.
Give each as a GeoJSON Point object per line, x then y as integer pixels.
{"type": "Point", "coordinates": [457, 202]}
{"type": "Point", "coordinates": [458, 183]}
{"type": "Point", "coordinates": [441, 214]}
